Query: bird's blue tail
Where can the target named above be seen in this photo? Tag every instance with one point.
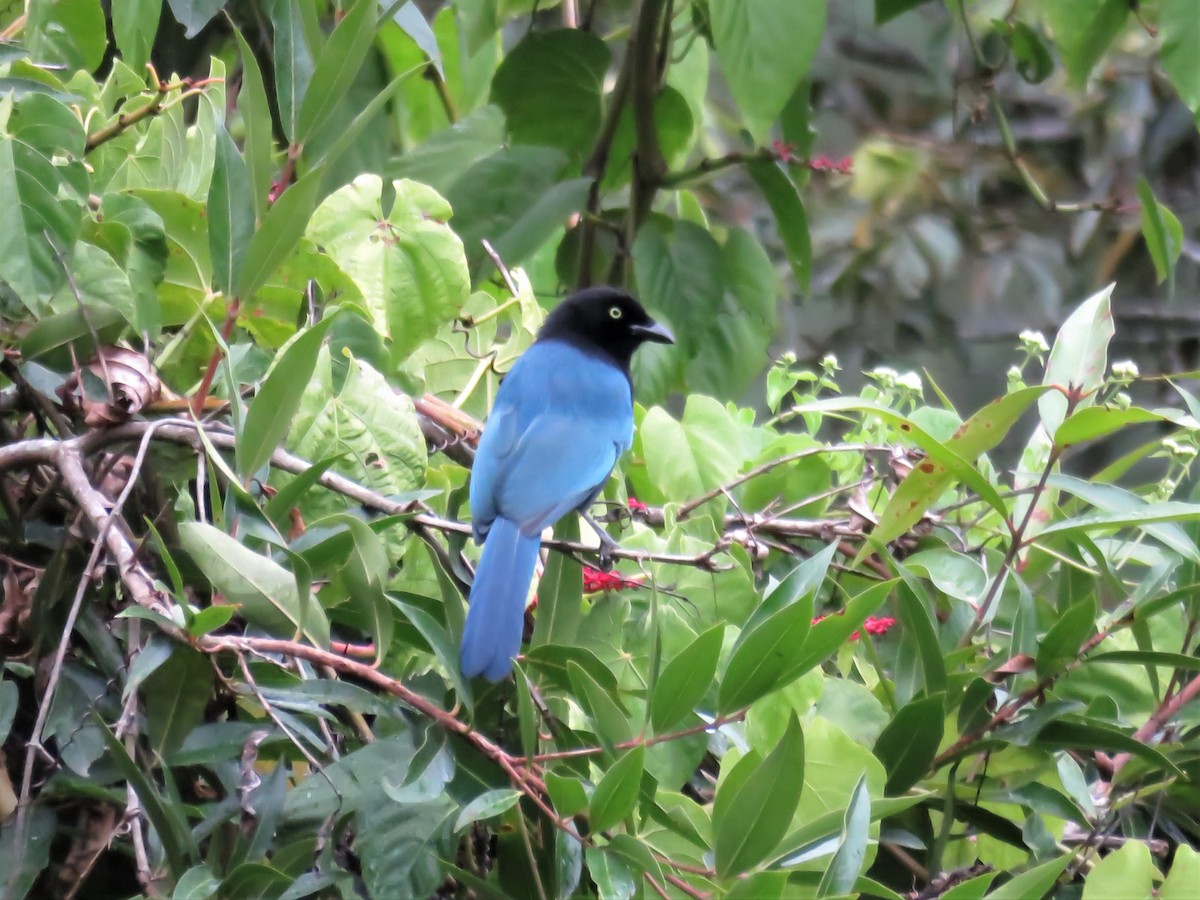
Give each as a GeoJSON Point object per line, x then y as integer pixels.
{"type": "Point", "coordinates": [496, 617]}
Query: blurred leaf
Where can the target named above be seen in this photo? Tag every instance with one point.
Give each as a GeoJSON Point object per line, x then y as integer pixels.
{"type": "Point", "coordinates": [560, 595]}
{"type": "Point", "coordinates": [486, 806]}
{"type": "Point", "coordinates": [134, 25]}
{"type": "Point", "coordinates": [1062, 642]}
{"type": "Point", "coordinates": [1035, 882]}
{"type": "Point", "coordinates": [1034, 61]}
{"type": "Point", "coordinates": [176, 695]}
{"type": "Point", "coordinates": [1184, 875]}
{"type": "Point", "coordinates": [1163, 233]}
{"type": "Point", "coordinates": [886, 10]}
{"type": "Point", "coordinates": [686, 679]}
{"type": "Point", "coordinates": [910, 741]}
{"type": "Point", "coordinates": [168, 822]}
{"type": "Point", "coordinates": [1126, 872]}
{"type": "Point", "coordinates": [972, 888]}
{"type": "Point", "coordinates": [567, 794]}
{"type": "Point", "coordinates": [783, 196]}
{"type": "Point", "coordinates": [765, 49]}
{"type": "Point", "coordinates": [193, 15]}
{"type": "Point", "coordinates": [617, 792]}
{"type": "Point", "coordinates": [1068, 735]}
{"type": "Point", "coordinates": [831, 632]}
{"type": "Point", "coordinates": [549, 86]}
{"type": "Point", "coordinates": [1180, 29]}
{"type": "Point", "coordinates": [1083, 30]}
{"type": "Point", "coordinates": [751, 821]}
{"type": "Point", "coordinates": [72, 33]}
{"type": "Point", "coordinates": [613, 879]}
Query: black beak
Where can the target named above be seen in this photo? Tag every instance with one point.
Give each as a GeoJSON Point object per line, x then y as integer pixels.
{"type": "Point", "coordinates": [659, 334]}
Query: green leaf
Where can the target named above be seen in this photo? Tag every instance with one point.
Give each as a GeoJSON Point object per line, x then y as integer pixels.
{"type": "Point", "coordinates": [409, 266]}
{"type": "Point", "coordinates": [614, 880]}
{"type": "Point", "coordinates": [293, 64]}
{"type": "Point", "coordinates": [45, 212]}
{"type": "Point", "coordinates": [274, 407]}
{"type": "Point", "coordinates": [256, 118]}
{"type": "Point", "coordinates": [1128, 871]}
{"type": "Point", "coordinates": [1098, 421]}
{"type": "Point", "coordinates": [686, 679]}
{"type": "Point", "coordinates": [1149, 658]}
{"type": "Point", "coordinates": [617, 792]}
{"type": "Point", "coordinates": [230, 213]}
{"type": "Point", "coordinates": [751, 820]}
{"type": "Point", "coordinates": [843, 870]}
{"type": "Point", "coordinates": [209, 619]}
{"type": "Point", "coordinates": [265, 591]}
{"type": "Point", "coordinates": [193, 15]}
{"type": "Point", "coordinates": [567, 794]}
{"type": "Point", "coordinates": [696, 454]}
{"type": "Point", "coordinates": [910, 741]}
{"type": "Point", "coordinates": [886, 10]}
{"type": "Point", "coordinates": [1184, 875]}
{"type": "Point", "coordinates": [560, 606]}
{"type": "Point", "coordinates": [1078, 357]}
{"type": "Point", "coordinates": [1083, 30]}
{"type": "Point", "coordinates": [1061, 734]}
{"type": "Point", "coordinates": [612, 723]}
{"type": "Point", "coordinates": [366, 573]}
{"type": "Point", "coordinates": [783, 196]}
{"type": "Point", "coordinates": [972, 888]}
{"type": "Point", "coordinates": [550, 86]}
{"type": "Point", "coordinates": [765, 48]}
{"type": "Point", "coordinates": [134, 24]}
{"type": "Point", "coordinates": [1180, 29]}
{"type": "Point", "coordinates": [8, 707]}
{"type": "Point", "coordinates": [367, 420]}
{"type": "Point", "coordinates": [1062, 642]}
{"type": "Point", "coordinates": [176, 694]}
{"type": "Point", "coordinates": [831, 632]}
{"type": "Point", "coordinates": [1034, 60]}
{"type": "Point", "coordinates": [167, 821]}
{"type": "Point", "coordinates": [765, 658]}
{"type": "Point", "coordinates": [1163, 233]}
{"type": "Point", "coordinates": [197, 883]}
{"type": "Point", "coordinates": [400, 845]}
{"type": "Point", "coordinates": [337, 65]}
{"type": "Point", "coordinates": [487, 805]}
{"type": "Point", "coordinates": [72, 34]}
{"type": "Point", "coordinates": [278, 235]}
{"type": "Point", "coordinates": [926, 482]}
{"type": "Point", "coordinates": [1035, 882]}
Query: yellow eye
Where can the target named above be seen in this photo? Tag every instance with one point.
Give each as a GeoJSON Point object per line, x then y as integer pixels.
{"type": "Point", "coordinates": [614, 312]}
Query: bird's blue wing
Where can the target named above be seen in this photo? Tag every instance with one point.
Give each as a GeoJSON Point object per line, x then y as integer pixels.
{"type": "Point", "coordinates": [561, 420]}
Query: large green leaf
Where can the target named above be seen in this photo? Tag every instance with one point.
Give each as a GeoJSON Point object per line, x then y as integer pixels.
{"type": "Point", "coordinates": [550, 87]}
{"type": "Point", "coordinates": [177, 693]}
{"type": "Point", "coordinates": [686, 679]}
{"type": "Point", "coordinates": [1160, 227]}
{"type": "Point", "coordinates": [70, 32]}
{"type": "Point", "coordinates": [272, 410]}
{"type": "Point", "coordinates": [293, 64]}
{"type": "Point", "coordinates": [400, 845]}
{"type": "Point", "coordinates": [1128, 871]}
{"type": "Point", "coordinates": [783, 196]}
{"type": "Point", "coordinates": [230, 213]}
{"type": "Point", "coordinates": [764, 659]}
{"type": "Point", "coordinates": [617, 792]}
{"type": "Point", "coordinates": [910, 741]}
{"type": "Point", "coordinates": [1083, 30]}
{"type": "Point", "coordinates": [753, 808]}
{"type": "Point", "coordinates": [1180, 29]}
{"type": "Point", "coordinates": [277, 235]}
{"type": "Point", "coordinates": [765, 49]}
{"type": "Point", "coordinates": [43, 197]}
{"type": "Point", "coordinates": [135, 23]}
{"type": "Point", "coordinates": [364, 420]}
{"type": "Point", "coordinates": [843, 870]}
{"type": "Point", "coordinates": [1034, 882]}
{"type": "Point", "coordinates": [266, 592]}
{"type": "Point", "coordinates": [408, 265]}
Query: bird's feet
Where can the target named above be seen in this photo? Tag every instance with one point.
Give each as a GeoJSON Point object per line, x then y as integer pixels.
{"type": "Point", "coordinates": [608, 546]}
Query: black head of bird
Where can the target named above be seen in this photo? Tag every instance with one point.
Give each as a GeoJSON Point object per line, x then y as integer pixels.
{"type": "Point", "coordinates": [605, 321]}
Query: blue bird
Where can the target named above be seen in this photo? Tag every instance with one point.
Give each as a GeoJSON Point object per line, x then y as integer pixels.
{"type": "Point", "coordinates": [562, 418]}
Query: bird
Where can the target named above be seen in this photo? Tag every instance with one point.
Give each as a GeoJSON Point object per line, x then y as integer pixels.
{"type": "Point", "coordinates": [562, 417]}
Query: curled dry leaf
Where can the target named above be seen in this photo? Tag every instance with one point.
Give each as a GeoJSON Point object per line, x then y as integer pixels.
{"type": "Point", "coordinates": [131, 383]}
